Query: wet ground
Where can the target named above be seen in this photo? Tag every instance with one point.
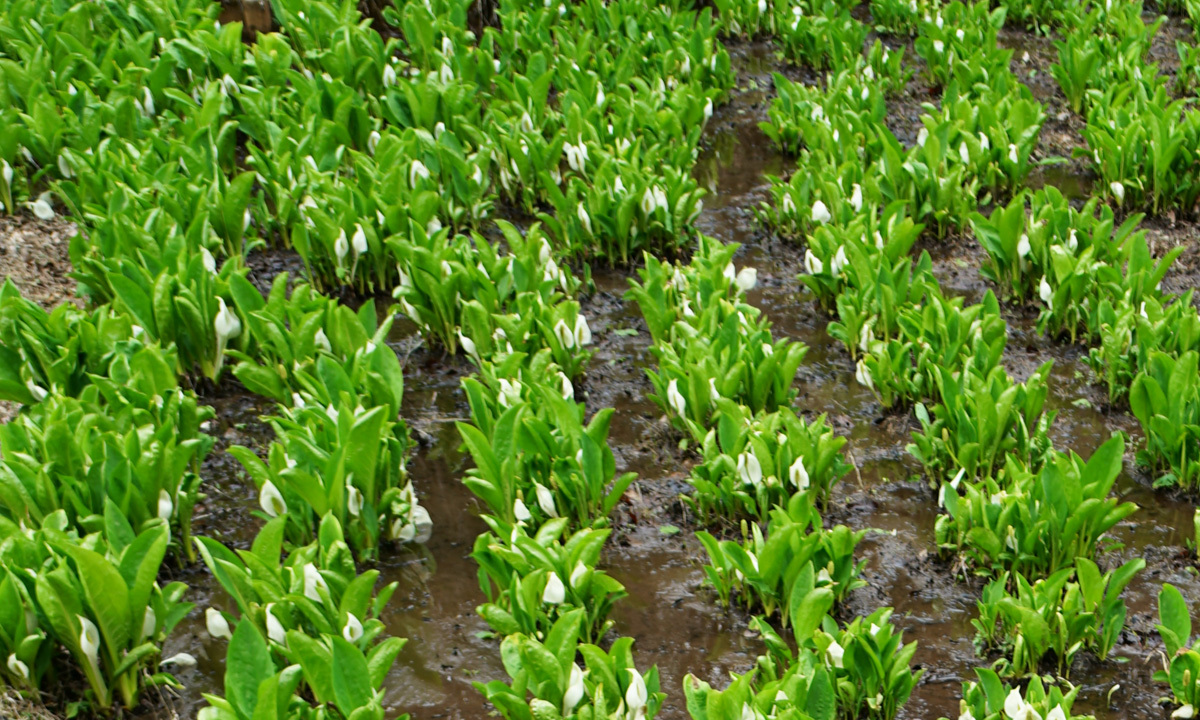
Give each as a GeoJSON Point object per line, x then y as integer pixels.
{"type": "Point", "coordinates": [676, 623]}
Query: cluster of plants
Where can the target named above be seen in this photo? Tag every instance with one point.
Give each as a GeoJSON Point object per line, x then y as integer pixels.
{"type": "Point", "coordinates": [990, 698]}
{"type": "Point", "coordinates": [710, 344]}
{"type": "Point", "coordinates": [1099, 282]}
{"type": "Point", "coordinates": [1017, 510]}
{"type": "Point", "coordinates": [1074, 609]}
{"type": "Point", "coordinates": [850, 164]}
{"type": "Point", "coordinates": [727, 386]}
{"type": "Point", "coordinates": [306, 640]}
{"type": "Point", "coordinates": [545, 477]}
{"type": "Point", "coordinates": [547, 482]}
{"type": "Point", "coordinates": [1181, 662]}
{"type": "Point", "coordinates": [860, 669]}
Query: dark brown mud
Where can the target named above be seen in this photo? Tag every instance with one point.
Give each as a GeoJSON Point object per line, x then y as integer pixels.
{"type": "Point", "coordinates": [676, 623]}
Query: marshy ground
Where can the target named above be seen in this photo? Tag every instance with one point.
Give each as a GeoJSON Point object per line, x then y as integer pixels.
{"type": "Point", "coordinates": [675, 622]}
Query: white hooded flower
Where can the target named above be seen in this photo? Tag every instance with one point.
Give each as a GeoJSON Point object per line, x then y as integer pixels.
{"type": "Point", "coordinates": [820, 213]}
{"type": "Point", "coordinates": [166, 507]}
{"type": "Point", "coordinates": [1013, 703]}
{"type": "Point", "coordinates": [275, 631]}
{"type": "Point", "coordinates": [218, 626]}
{"type": "Point", "coordinates": [812, 263]}
{"type": "Point", "coordinates": [787, 205]}
{"type": "Point", "coordinates": [389, 76]}
{"type": "Point", "coordinates": [321, 340]}
{"type": "Point", "coordinates": [568, 390]}
{"type": "Point", "coordinates": [18, 668]}
{"type": "Point", "coordinates": [964, 153]}
{"type": "Point", "coordinates": [856, 198]}
{"type": "Point", "coordinates": [468, 345]}
{"type": "Point", "coordinates": [578, 573]}
{"type": "Point", "coordinates": [181, 660]}
{"type": "Point", "coordinates": [939, 47]}
{"type": "Point", "coordinates": [341, 246]}
{"type": "Point", "coordinates": [798, 474]}
{"type": "Point", "coordinates": [572, 154]}
{"type": "Point", "coordinates": [1023, 246]}
{"type": "Point", "coordinates": [675, 398]}
{"type": "Point", "coordinates": [42, 208]}
{"type": "Point", "coordinates": [359, 242]}
{"type": "Point", "coordinates": [836, 653]}
{"type": "Point", "coordinates": [839, 262]}
{"type": "Point", "coordinates": [713, 394]}
{"type": "Point", "coordinates": [1056, 714]}
{"type": "Point", "coordinates": [584, 218]}
{"type": "Point", "coordinates": [866, 336]}
{"type": "Point", "coordinates": [89, 641]}
{"type": "Point", "coordinates": [554, 593]}
{"type": "Point", "coordinates": [922, 136]}
{"type": "Point", "coordinates": [209, 262]}
{"type": "Point", "coordinates": [1046, 293]}
{"type": "Point", "coordinates": [566, 337]}
{"type": "Point", "coordinates": [747, 278]}
{"type": "Point", "coordinates": [520, 512]}
{"type": "Point", "coordinates": [64, 166]}
{"type": "Point", "coordinates": [226, 324]}
{"type": "Point", "coordinates": [649, 203]}
{"type": "Point", "coordinates": [510, 392]}
{"type": "Point", "coordinates": [1118, 191]}
{"type": "Point", "coordinates": [417, 171]}
{"type": "Point", "coordinates": [354, 501]}
{"type": "Point", "coordinates": [149, 623]}
{"type": "Point", "coordinates": [583, 333]}
{"type": "Point", "coordinates": [1012, 154]}
{"type": "Point", "coordinates": [863, 375]}
{"type": "Point", "coordinates": [271, 500]}
{"type": "Point", "coordinates": [575, 690]}
{"type": "Point", "coordinates": [352, 631]}
{"type": "Point", "coordinates": [545, 499]}
{"type": "Point", "coordinates": [1185, 712]}
{"type": "Point", "coordinates": [636, 695]}
{"type": "Point", "coordinates": [749, 469]}
{"type": "Point", "coordinates": [313, 583]}
{"type": "Point", "coordinates": [421, 524]}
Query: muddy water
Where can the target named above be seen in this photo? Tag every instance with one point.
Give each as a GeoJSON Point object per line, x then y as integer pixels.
{"type": "Point", "coordinates": [677, 624]}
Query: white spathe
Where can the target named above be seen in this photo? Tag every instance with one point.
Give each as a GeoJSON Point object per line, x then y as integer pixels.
{"type": "Point", "coordinates": [554, 592]}
{"type": "Point", "coordinates": [675, 398]}
{"type": "Point", "coordinates": [217, 625]}
{"type": "Point", "coordinates": [271, 500]}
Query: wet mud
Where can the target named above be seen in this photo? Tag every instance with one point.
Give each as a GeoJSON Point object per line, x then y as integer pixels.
{"type": "Point", "coordinates": [676, 623]}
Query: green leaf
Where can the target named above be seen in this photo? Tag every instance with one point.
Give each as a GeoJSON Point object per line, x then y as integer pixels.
{"type": "Point", "coordinates": [247, 664]}
{"type": "Point", "coordinates": [822, 700]}
{"type": "Point", "coordinates": [107, 596]}
{"type": "Point", "coordinates": [351, 677]}
{"type": "Point", "coordinates": [1173, 614]}
{"type": "Point", "coordinates": [317, 662]}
